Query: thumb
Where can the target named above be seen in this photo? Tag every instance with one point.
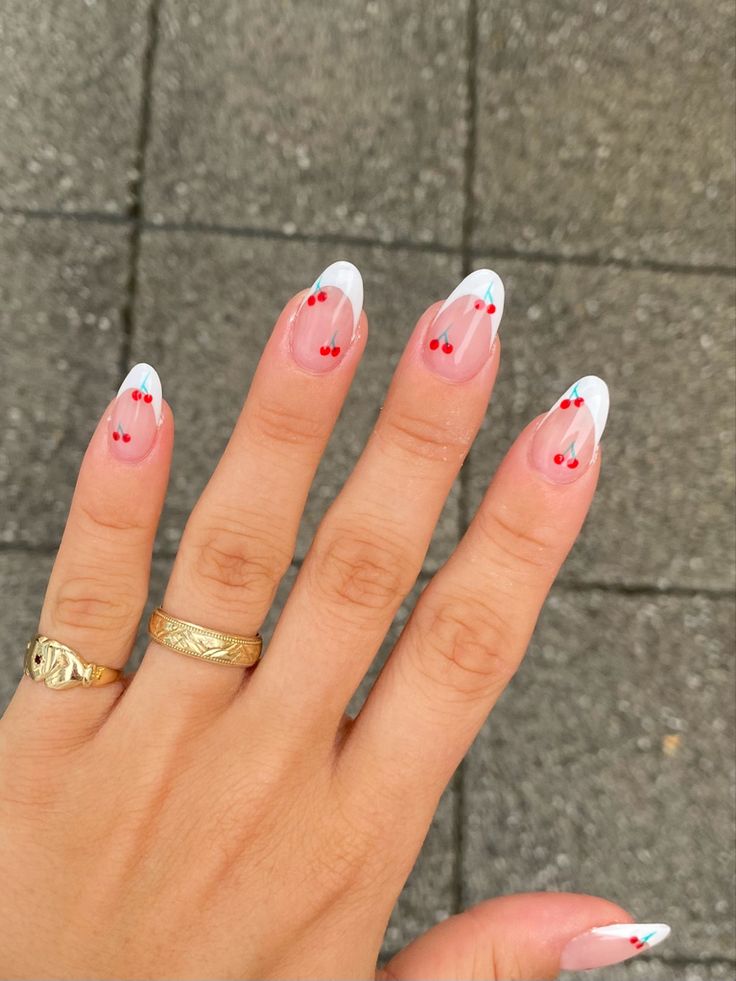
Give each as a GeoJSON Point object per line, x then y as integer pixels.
{"type": "Point", "coordinates": [531, 935]}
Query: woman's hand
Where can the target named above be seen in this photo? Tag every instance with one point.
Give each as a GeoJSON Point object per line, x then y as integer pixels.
{"type": "Point", "coordinates": [208, 821]}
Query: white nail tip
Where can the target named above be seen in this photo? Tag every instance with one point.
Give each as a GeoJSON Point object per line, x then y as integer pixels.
{"type": "Point", "coordinates": [144, 377]}
{"type": "Point", "coordinates": [595, 392]}
{"type": "Point", "coordinates": [487, 286]}
{"type": "Point", "coordinates": [346, 277]}
{"type": "Point", "coordinates": [650, 934]}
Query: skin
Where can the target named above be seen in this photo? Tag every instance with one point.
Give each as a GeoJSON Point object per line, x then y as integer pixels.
{"type": "Point", "coordinates": [200, 821]}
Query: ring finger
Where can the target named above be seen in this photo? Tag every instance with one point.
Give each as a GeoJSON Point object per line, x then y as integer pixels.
{"type": "Point", "coordinates": [239, 539]}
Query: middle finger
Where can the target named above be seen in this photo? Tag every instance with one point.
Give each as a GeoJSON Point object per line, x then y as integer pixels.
{"type": "Point", "coordinates": [371, 544]}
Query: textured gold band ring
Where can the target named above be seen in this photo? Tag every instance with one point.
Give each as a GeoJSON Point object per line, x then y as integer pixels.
{"type": "Point", "coordinates": [208, 645]}
{"type": "Point", "coordinates": [58, 666]}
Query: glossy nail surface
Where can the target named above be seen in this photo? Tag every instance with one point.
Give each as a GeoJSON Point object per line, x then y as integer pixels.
{"type": "Point", "coordinates": [326, 321]}
{"type": "Point", "coordinates": [136, 414]}
{"type": "Point", "coordinates": [611, 945]}
{"type": "Point", "coordinates": [458, 341]}
{"type": "Point", "coordinates": [566, 441]}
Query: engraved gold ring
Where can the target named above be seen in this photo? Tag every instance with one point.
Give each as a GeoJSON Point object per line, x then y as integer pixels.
{"type": "Point", "coordinates": [58, 666]}
{"type": "Point", "coordinates": [208, 645]}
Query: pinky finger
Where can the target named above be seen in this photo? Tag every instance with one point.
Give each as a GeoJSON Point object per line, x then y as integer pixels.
{"type": "Point", "coordinates": [99, 582]}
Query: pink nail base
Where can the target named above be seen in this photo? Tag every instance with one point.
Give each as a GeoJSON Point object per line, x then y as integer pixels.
{"type": "Point", "coordinates": [132, 427]}
{"type": "Point", "coordinates": [604, 946]}
{"type": "Point", "coordinates": [458, 342]}
{"type": "Point", "coordinates": [322, 330]}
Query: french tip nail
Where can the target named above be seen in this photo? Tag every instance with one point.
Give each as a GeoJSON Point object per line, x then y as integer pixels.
{"type": "Point", "coordinates": [612, 944]}
{"type": "Point", "coordinates": [144, 377]}
{"type": "Point", "coordinates": [345, 276]}
{"type": "Point", "coordinates": [488, 287]}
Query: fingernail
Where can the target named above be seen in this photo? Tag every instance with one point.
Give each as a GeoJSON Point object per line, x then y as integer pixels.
{"type": "Point", "coordinates": [136, 414]}
{"type": "Point", "coordinates": [611, 945]}
{"type": "Point", "coordinates": [566, 440]}
{"type": "Point", "coordinates": [458, 341]}
{"type": "Point", "coordinates": [325, 325]}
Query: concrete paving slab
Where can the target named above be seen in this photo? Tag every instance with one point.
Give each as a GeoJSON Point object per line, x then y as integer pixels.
{"type": "Point", "coordinates": [607, 767]}
{"type": "Point", "coordinates": [23, 578]}
{"type": "Point", "coordinates": [61, 292]}
{"type": "Point", "coordinates": [350, 121]}
{"type": "Point", "coordinates": [70, 82]}
{"type": "Point", "coordinates": [607, 128]}
{"type": "Point", "coordinates": [663, 512]}
{"type": "Point", "coordinates": [207, 304]}
{"type": "Point", "coordinates": [658, 969]}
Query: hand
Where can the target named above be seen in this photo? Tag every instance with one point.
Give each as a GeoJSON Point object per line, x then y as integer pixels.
{"type": "Point", "coordinates": [210, 821]}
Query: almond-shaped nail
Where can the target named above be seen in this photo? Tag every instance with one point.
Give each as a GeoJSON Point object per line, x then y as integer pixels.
{"type": "Point", "coordinates": [326, 322]}
{"type": "Point", "coordinates": [567, 439]}
{"type": "Point", "coordinates": [458, 341]}
{"type": "Point", "coordinates": [611, 945]}
{"type": "Point", "coordinates": [136, 414]}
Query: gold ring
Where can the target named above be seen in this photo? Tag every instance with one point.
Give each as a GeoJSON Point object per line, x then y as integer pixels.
{"type": "Point", "coordinates": [209, 645]}
{"type": "Point", "coordinates": [58, 666]}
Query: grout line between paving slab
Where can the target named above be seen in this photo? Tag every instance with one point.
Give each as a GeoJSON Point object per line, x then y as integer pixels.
{"type": "Point", "coordinates": [499, 251]}
{"type": "Point", "coordinates": [135, 189]}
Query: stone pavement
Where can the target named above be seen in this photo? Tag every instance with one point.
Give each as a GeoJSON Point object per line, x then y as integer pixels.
{"type": "Point", "coordinates": [172, 170]}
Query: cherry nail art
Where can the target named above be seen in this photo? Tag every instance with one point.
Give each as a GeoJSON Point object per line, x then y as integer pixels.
{"type": "Point", "coordinates": [612, 944]}
{"type": "Point", "coordinates": [326, 322]}
{"type": "Point", "coordinates": [566, 440]}
{"type": "Point", "coordinates": [136, 414]}
{"type": "Point", "coordinates": [458, 341]}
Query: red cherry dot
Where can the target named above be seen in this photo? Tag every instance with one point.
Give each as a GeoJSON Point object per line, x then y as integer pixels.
{"type": "Point", "coordinates": [572, 464]}
{"type": "Point", "coordinates": [335, 352]}
{"type": "Point", "coordinates": [321, 296]}
{"type": "Point", "coordinates": [447, 347]}
{"type": "Point", "coordinates": [324, 350]}
{"type": "Point", "coordinates": [559, 458]}
{"type": "Point", "coordinates": [639, 946]}
{"type": "Point", "coordinates": [633, 940]}
{"type": "Point", "coordinates": [491, 308]}
{"type": "Point", "coordinates": [434, 344]}
{"type": "Point", "coordinates": [578, 402]}
{"type": "Point", "coordinates": [116, 436]}
{"type": "Point", "coordinates": [565, 404]}
{"type": "Point", "coordinates": [126, 437]}
{"type": "Point", "coordinates": [148, 398]}
{"type": "Point", "coordinates": [135, 394]}
{"type": "Point", "coordinates": [311, 300]}
{"type": "Point", "coordinates": [478, 304]}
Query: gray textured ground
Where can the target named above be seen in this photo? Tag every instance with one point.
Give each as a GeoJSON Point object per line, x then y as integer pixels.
{"type": "Point", "coordinates": [170, 173]}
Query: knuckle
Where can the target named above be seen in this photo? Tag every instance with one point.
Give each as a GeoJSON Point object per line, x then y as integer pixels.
{"type": "Point", "coordinates": [422, 437]}
{"type": "Point", "coordinates": [97, 517]}
{"type": "Point", "coordinates": [462, 645]}
{"type": "Point", "coordinates": [89, 603]}
{"type": "Point", "coordinates": [363, 571]}
{"type": "Point", "coordinates": [513, 547]}
{"type": "Point", "coordinates": [229, 561]}
{"type": "Point", "coordinates": [276, 421]}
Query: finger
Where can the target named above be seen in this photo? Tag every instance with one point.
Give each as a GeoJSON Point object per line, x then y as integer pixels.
{"type": "Point", "coordinates": [371, 544]}
{"type": "Point", "coordinates": [533, 935]}
{"type": "Point", "coordinates": [240, 537]}
{"type": "Point", "coordinates": [473, 622]}
{"type": "Point", "coordinates": [99, 582]}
